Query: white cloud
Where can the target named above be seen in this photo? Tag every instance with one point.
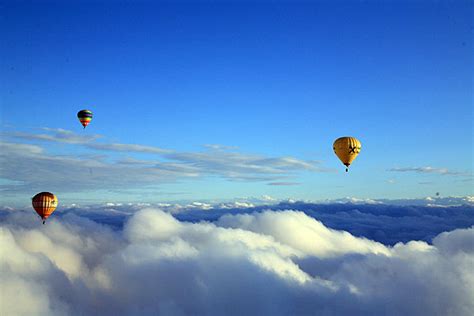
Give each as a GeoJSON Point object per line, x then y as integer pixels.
{"type": "Point", "coordinates": [355, 200]}
{"type": "Point", "coordinates": [220, 147]}
{"type": "Point", "coordinates": [36, 169]}
{"type": "Point", "coordinates": [385, 221]}
{"type": "Point", "coordinates": [234, 205]}
{"type": "Point", "coordinates": [431, 170]}
{"type": "Point", "coordinates": [267, 198]}
{"type": "Point", "coordinates": [57, 135]}
{"type": "Point", "coordinates": [307, 234]}
{"type": "Point", "coordinates": [120, 167]}
{"type": "Point", "coordinates": [242, 166]}
{"type": "Point", "coordinates": [24, 149]}
{"type": "Point", "coordinates": [129, 148]}
{"type": "Point", "coordinates": [270, 263]}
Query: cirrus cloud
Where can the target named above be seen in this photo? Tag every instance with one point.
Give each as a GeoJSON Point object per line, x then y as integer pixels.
{"type": "Point", "coordinates": [25, 167]}
{"type": "Point", "coordinates": [431, 170]}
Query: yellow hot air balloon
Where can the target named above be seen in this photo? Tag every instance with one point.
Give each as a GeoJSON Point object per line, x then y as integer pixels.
{"type": "Point", "coordinates": [347, 148]}
{"type": "Point", "coordinates": [44, 204]}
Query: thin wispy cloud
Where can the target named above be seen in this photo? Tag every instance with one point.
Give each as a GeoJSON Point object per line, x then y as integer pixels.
{"type": "Point", "coordinates": [283, 183]}
{"type": "Point", "coordinates": [26, 149]}
{"type": "Point", "coordinates": [220, 147]}
{"type": "Point", "coordinates": [129, 148]}
{"type": "Point", "coordinates": [232, 164]}
{"type": "Point", "coordinates": [56, 135]}
{"type": "Point", "coordinates": [430, 170]}
{"type": "Point", "coordinates": [35, 164]}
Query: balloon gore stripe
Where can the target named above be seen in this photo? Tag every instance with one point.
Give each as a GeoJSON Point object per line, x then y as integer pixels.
{"type": "Point", "coordinates": [84, 116]}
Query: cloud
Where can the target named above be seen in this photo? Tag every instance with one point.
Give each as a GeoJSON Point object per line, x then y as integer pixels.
{"type": "Point", "coordinates": [21, 148]}
{"type": "Point", "coordinates": [129, 148]}
{"type": "Point", "coordinates": [430, 170]}
{"type": "Point", "coordinates": [242, 166]}
{"type": "Point", "coordinates": [383, 221]}
{"type": "Point", "coordinates": [220, 147]}
{"type": "Point", "coordinates": [386, 221]}
{"type": "Point", "coordinates": [306, 234]}
{"type": "Point", "coordinates": [426, 182]}
{"type": "Point", "coordinates": [283, 183]}
{"type": "Point", "coordinates": [56, 135]}
{"type": "Point", "coordinates": [267, 263]}
{"type": "Point", "coordinates": [35, 169]}
{"type": "Point", "coordinates": [119, 168]}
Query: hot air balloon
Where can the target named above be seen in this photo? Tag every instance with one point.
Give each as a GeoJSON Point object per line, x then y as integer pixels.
{"type": "Point", "coordinates": [347, 149]}
{"type": "Point", "coordinates": [44, 204]}
{"type": "Point", "coordinates": [85, 117]}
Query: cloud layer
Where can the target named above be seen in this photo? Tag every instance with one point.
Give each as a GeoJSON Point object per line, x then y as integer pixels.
{"type": "Point", "coordinates": [385, 221]}
{"type": "Point", "coordinates": [31, 167]}
{"type": "Point", "coordinates": [264, 263]}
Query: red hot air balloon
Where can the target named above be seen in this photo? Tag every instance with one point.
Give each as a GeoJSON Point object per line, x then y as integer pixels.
{"type": "Point", "coordinates": [44, 204]}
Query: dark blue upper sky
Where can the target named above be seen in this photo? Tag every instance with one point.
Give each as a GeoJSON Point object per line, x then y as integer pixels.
{"type": "Point", "coordinates": [274, 79]}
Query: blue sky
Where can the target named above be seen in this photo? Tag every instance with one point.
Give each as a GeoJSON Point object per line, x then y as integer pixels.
{"type": "Point", "coordinates": [268, 85]}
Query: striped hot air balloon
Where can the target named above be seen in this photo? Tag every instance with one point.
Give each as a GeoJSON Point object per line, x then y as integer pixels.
{"type": "Point", "coordinates": [44, 204]}
{"type": "Point", "coordinates": [85, 117]}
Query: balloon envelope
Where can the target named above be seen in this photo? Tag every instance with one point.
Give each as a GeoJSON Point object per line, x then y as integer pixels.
{"type": "Point", "coordinates": [44, 204]}
{"type": "Point", "coordinates": [85, 117]}
{"type": "Point", "coordinates": [347, 148]}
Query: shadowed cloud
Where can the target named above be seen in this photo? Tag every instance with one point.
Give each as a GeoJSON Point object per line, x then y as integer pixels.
{"type": "Point", "coordinates": [266, 263]}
